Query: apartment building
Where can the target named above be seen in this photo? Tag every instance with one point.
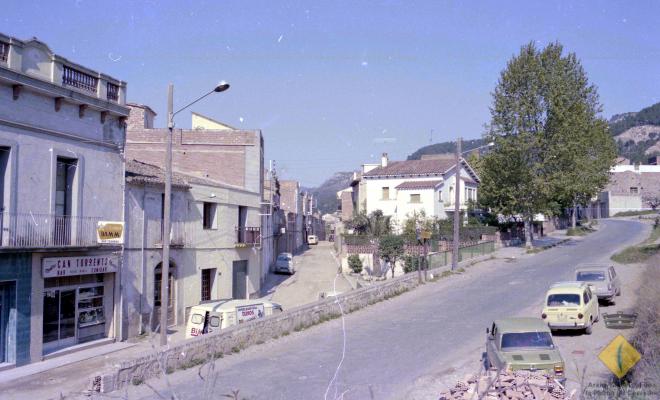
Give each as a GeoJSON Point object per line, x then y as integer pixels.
{"type": "Point", "coordinates": [62, 131]}
{"type": "Point", "coordinates": [217, 221]}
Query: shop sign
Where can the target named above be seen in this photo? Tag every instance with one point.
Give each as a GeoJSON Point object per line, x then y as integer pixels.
{"type": "Point", "coordinates": [110, 232]}
{"type": "Point", "coordinates": [68, 266]}
{"type": "Point", "coordinates": [249, 312]}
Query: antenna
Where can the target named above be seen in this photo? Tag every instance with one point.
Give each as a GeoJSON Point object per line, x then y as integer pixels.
{"type": "Point", "coordinates": [431, 137]}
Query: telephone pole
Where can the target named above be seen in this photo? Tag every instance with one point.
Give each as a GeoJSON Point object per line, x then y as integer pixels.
{"type": "Point", "coordinates": [457, 206]}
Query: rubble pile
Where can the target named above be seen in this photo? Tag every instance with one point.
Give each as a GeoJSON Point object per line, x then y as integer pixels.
{"type": "Point", "coordinates": [516, 385]}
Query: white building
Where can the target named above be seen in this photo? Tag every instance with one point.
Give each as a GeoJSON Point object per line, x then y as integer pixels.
{"type": "Point", "coordinates": [62, 132]}
{"type": "Point", "coordinates": [402, 188]}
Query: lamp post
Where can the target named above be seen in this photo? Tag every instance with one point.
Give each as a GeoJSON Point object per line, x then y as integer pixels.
{"type": "Point", "coordinates": [457, 201]}
{"type": "Point", "coordinates": [165, 264]}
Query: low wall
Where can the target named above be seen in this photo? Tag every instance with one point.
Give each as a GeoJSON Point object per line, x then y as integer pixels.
{"type": "Point", "coordinates": [201, 349]}
{"type": "Point", "coordinates": [198, 350]}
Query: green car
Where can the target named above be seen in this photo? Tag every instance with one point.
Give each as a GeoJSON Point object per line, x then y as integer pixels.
{"type": "Point", "coordinates": [523, 344]}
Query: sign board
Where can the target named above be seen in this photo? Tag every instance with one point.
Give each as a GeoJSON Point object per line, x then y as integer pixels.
{"type": "Point", "coordinates": [68, 266]}
{"type": "Point", "coordinates": [249, 312]}
{"type": "Point", "coordinates": [110, 232]}
{"type": "Point", "coordinates": [619, 356]}
{"type": "Point", "coordinates": [426, 234]}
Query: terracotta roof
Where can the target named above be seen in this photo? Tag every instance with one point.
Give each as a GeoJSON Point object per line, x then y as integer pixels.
{"type": "Point", "coordinates": [413, 185]}
{"type": "Point", "coordinates": [412, 167]}
{"type": "Point", "coordinates": [143, 173]}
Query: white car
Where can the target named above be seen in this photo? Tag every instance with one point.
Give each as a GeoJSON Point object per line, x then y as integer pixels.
{"type": "Point", "coordinates": [312, 239]}
{"type": "Point", "coordinates": [284, 263]}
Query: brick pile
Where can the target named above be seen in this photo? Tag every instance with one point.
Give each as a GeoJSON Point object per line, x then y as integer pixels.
{"type": "Point", "coordinates": [517, 385]}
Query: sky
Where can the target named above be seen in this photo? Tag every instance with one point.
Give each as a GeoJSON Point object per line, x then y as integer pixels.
{"type": "Point", "coordinates": [334, 84]}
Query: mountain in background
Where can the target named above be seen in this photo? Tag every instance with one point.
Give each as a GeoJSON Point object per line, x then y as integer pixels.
{"type": "Point", "coordinates": [637, 134]}
{"type": "Point", "coordinates": [445, 147]}
{"type": "Point", "coordinates": [326, 193]}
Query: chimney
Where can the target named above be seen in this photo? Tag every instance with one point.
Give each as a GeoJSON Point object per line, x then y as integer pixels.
{"type": "Point", "coordinates": [383, 160]}
{"type": "Point", "coordinates": [140, 117]}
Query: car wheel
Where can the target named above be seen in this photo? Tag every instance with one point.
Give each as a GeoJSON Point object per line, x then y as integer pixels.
{"type": "Point", "coordinates": [589, 328]}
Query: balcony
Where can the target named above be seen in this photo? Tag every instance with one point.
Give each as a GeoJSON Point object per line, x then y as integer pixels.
{"type": "Point", "coordinates": [181, 234]}
{"type": "Point", "coordinates": [34, 59]}
{"type": "Point", "coordinates": [249, 236]}
{"type": "Point", "coordinates": [32, 230]}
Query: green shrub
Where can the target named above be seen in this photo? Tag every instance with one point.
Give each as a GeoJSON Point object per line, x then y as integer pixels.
{"type": "Point", "coordinates": [354, 263]}
{"type": "Point", "coordinates": [410, 263]}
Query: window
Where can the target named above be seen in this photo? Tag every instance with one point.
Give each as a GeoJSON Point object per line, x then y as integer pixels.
{"type": "Point", "coordinates": [210, 221]}
{"type": "Point", "coordinates": [197, 319]}
{"type": "Point", "coordinates": [440, 196]}
{"type": "Point", "coordinates": [585, 297]}
{"type": "Point", "coordinates": [559, 300]}
{"type": "Point", "coordinates": [5, 184]}
{"type": "Point", "coordinates": [386, 193]}
{"type": "Point", "coordinates": [66, 170]}
{"type": "Point", "coordinates": [206, 284]}
{"type": "Point", "coordinates": [215, 322]}
{"type": "Point", "coordinates": [634, 190]}
{"type": "Point", "coordinates": [414, 198]}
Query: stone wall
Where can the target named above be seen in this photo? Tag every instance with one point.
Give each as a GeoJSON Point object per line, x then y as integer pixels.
{"type": "Point", "coordinates": [201, 349]}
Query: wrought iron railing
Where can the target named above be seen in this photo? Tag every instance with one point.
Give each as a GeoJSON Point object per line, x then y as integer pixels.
{"type": "Point", "coordinates": [113, 92]}
{"type": "Point", "coordinates": [34, 230]}
{"type": "Point", "coordinates": [248, 235]}
{"type": "Point", "coordinates": [79, 79]}
{"type": "Point", "coordinates": [4, 51]}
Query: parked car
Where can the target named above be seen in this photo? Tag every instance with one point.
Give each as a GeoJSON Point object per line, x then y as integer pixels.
{"type": "Point", "coordinates": [213, 316]}
{"type": "Point", "coordinates": [312, 239]}
{"type": "Point", "coordinates": [570, 305]}
{"type": "Point", "coordinates": [523, 344]}
{"type": "Point", "coordinates": [284, 263]}
{"type": "Point", "coordinates": [604, 281]}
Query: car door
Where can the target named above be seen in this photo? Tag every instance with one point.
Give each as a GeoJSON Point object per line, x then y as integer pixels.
{"type": "Point", "coordinates": [593, 304]}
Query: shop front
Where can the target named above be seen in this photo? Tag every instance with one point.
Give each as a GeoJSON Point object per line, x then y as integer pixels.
{"type": "Point", "coordinates": [78, 300]}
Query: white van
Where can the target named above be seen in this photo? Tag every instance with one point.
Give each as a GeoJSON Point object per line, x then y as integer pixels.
{"type": "Point", "coordinates": [313, 239]}
{"type": "Point", "coordinates": [213, 316]}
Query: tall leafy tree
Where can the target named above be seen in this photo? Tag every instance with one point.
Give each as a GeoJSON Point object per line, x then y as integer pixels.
{"type": "Point", "coordinates": [551, 149]}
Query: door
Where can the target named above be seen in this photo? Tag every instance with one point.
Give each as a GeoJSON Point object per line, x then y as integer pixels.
{"type": "Point", "coordinates": [59, 321]}
{"type": "Point", "coordinates": [171, 295]}
{"type": "Point", "coordinates": [239, 277]}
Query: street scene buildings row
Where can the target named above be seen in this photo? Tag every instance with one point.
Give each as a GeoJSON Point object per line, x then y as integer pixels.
{"type": "Point", "coordinates": [75, 155]}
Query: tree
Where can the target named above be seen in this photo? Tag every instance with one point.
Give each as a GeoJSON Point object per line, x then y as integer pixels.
{"type": "Point", "coordinates": [354, 263]}
{"type": "Point", "coordinates": [391, 249]}
{"type": "Point", "coordinates": [550, 148]}
{"type": "Point", "coordinates": [375, 224]}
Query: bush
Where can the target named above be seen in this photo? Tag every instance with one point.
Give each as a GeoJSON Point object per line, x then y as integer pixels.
{"type": "Point", "coordinates": [410, 264]}
{"type": "Point", "coordinates": [354, 263]}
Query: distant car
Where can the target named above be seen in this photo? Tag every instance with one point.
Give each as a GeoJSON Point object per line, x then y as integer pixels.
{"type": "Point", "coordinates": [604, 281]}
{"type": "Point", "coordinates": [570, 305]}
{"type": "Point", "coordinates": [284, 263]}
{"type": "Point", "coordinates": [312, 239]}
{"type": "Point", "coordinates": [514, 344]}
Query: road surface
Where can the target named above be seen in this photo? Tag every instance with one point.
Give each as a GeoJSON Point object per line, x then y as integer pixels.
{"type": "Point", "coordinates": [406, 346]}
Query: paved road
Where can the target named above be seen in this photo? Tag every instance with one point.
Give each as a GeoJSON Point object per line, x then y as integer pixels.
{"type": "Point", "coordinates": [403, 347]}
{"type": "Point", "coordinates": [316, 270]}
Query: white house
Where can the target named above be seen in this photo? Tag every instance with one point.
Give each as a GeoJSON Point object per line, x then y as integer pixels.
{"type": "Point", "coordinates": [401, 188]}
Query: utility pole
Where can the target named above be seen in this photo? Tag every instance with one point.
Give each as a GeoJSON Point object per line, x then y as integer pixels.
{"type": "Point", "coordinates": [165, 263]}
{"type": "Point", "coordinates": [457, 206]}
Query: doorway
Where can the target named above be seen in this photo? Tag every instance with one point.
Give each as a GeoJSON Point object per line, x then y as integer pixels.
{"type": "Point", "coordinates": [59, 329]}
{"type": "Point", "coordinates": [171, 300]}
{"type": "Point", "coordinates": [239, 277]}
{"type": "Point", "coordinates": [7, 322]}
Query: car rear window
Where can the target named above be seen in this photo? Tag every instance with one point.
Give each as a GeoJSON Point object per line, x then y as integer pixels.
{"type": "Point", "coordinates": [558, 300]}
{"type": "Point", "coordinates": [284, 258]}
{"type": "Point", "coordinates": [540, 340]}
{"type": "Point", "coordinates": [590, 276]}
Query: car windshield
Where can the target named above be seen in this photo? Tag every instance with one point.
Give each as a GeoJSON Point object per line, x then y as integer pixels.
{"type": "Point", "coordinates": [541, 340]}
{"type": "Point", "coordinates": [564, 300]}
{"type": "Point", "coordinates": [589, 276]}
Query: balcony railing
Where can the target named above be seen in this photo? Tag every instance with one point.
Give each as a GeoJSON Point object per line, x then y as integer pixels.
{"type": "Point", "coordinates": [32, 230]}
{"type": "Point", "coordinates": [248, 236]}
{"type": "Point", "coordinates": [4, 51]}
{"type": "Point", "coordinates": [113, 92]}
{"type": "Point", "coordinates": [79, 79]}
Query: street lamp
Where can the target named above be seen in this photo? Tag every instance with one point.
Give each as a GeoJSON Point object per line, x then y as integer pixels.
{"type": "Point", "coordinates": [457, 200]}
{"type": "Point", "coordinates": [165, 264]}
